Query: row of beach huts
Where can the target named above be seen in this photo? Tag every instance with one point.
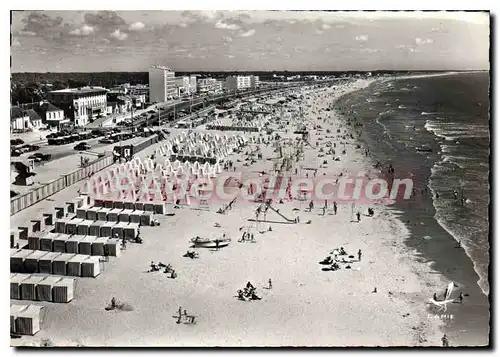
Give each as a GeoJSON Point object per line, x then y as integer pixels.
{"type": "Point", "coordinates": [73, 240]}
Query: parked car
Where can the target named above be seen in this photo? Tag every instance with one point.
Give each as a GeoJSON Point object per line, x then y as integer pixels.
{"type": "Point", "coordinates": [16, 141]}
{"type": "Point", "coordinates": [15, 152]}
{"type": "Point", "coordinates": [106, 141]}
{"type": "Point", "coordinates": [32, 147]}
{"type": "Point", "coordinates": [35, 158]}
{"type": "Point", "coordinates": [44, 157]}
{"type": "Point", "coordinates": [82, 146]}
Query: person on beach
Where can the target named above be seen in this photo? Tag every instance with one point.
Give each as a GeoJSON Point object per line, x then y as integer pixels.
{"type": "Point", "coordinates": [359, 255]}
{"type": "Point", "coordinates": [335, 207]}
{"type": "Point", "coordinates": [461, 298]}
{"type": "Point", "coordinates": [358, 215]}
{"type": "Point", "coordinates": [445, 341]}
{"type": "Point", "coordinates": [270, 284]}
{"type": "Point", "coordinates": [435, 297]}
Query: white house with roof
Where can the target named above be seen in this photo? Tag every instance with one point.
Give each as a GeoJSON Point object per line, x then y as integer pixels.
{"type": "Point", "coordinates": [50, 114]}
{"type": "Point", "coordinates": [24, 119]}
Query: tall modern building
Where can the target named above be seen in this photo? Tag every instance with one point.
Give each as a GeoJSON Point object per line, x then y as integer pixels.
{"type": "Point", "coordinates": [161, 84]}
{"type": "Point", "coordinates": [193, 88]}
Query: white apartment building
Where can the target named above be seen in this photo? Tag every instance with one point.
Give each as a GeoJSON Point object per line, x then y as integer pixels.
{"type": "Point", "coordinates": [161, 84]}
{"type": "Point", "coordinates": [254, 81]}
{"type": "Point", "coordinates": [209, 85]}
{"type": "Point", "coordinates": [237, 82]}
{"type": "Point", "coordinates": [242, 82]}
{"type": "Point", "coordinates": [193, 88]}
{"type": "Point", "coordinates": [80, 105]}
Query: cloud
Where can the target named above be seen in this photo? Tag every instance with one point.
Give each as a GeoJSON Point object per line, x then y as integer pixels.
{"type": "Point", "coordinates": [248, 33]}
{"type": "Point", "coordinates": [201, 16]}
{"type": "Point", "coordinates": [104, 19]}
{"type": "Point", "coordinates": [16, 43]}
{"type": "Point", "coordinates": [226, 26]}
{"type": "Point", "coordinates": [408, 48]}
{"type": "Point", "coordinates": [227, 39]}
{"type": "Point", "coordinates": [325, 26]}
{"type": "Point", "coordinates": [26, 33]}
{"type": "Point", "coordinates": [420, 41]}
{"type": "Point", "coordinates": [230, 56]}
{"type": "Point", "coordinates": [361, 38]}
{"type": "Point", "coordinates": [118, 35]}
{"type": "Point", "coordinates": [83, 31]}
{"type": "Point", "coordinates": [369, 50]}
{"type": "Point", "coordinates": [137, 26]}
{"type": "Point", "coordinates": [39, 24]}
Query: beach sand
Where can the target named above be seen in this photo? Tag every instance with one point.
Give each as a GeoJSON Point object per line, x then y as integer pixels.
{"type": "Point", "coordinates": [305, 307]}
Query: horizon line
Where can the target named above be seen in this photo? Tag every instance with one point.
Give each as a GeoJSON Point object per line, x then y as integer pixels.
{"type": "Point", "coordinates": [284, 70]}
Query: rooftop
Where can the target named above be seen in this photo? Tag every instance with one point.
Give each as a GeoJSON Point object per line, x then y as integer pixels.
{"type": "Point", "coordinates": [47, 107]}
{"type": "Point", "coordinates": [162, 67]}
{"type": "Point", "coordinates": [83, 90]}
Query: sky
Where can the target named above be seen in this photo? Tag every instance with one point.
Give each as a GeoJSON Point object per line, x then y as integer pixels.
{"type": "Point", "coordinates": [190, 41]}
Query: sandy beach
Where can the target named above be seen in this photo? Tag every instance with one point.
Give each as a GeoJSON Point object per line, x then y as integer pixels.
{"type": "Point", "coordinates": [305, 307]}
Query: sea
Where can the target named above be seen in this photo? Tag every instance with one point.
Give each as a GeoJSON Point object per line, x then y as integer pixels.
{"type": "Point", "coordinates": [435, 130]}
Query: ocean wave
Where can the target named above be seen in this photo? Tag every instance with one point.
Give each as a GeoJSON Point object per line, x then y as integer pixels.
{"type": "Point", "coordinates": [401, 107]}
{"type": "Point", "coordinates": [441, 216]}
{"type": "Point", "coordinates": [425, 113]}
{"type": "Point", "coordinates": [381, 114]}
{"type": "Point", "coordinates": [454, 131]}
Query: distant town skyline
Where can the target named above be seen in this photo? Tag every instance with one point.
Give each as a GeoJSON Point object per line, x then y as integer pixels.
{"type": "Point", "coordinates": [190, 41]}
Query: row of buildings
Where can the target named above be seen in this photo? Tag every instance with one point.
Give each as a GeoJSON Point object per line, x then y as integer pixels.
{"type": "Point", "coordinates": [75, 105]}
{"type": "Point", "coordinates": [80, 106]}
{"type": "Point", "coordinates": [165, 86]}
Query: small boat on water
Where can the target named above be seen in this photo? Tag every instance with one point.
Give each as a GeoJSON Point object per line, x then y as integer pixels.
{"type": "Point", "coordinates": [199, 242]}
